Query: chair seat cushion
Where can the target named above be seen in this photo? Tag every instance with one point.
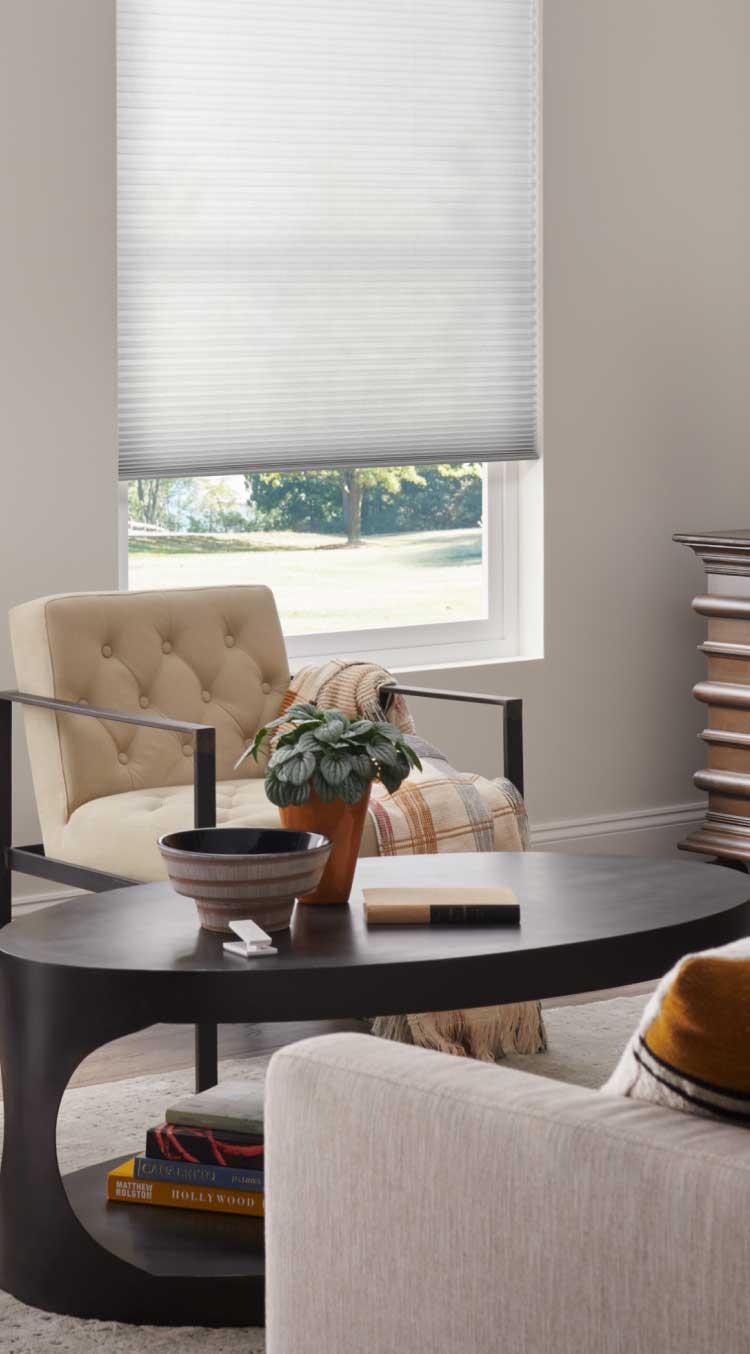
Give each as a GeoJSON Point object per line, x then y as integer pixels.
{"type": "Point", "coordinates": [119, 833]}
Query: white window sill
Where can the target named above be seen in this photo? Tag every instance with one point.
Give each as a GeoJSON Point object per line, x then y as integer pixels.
{"type": "Point", "coordinates": [411, 658]}
{"type": "Point", "coordinates": [458, 664]}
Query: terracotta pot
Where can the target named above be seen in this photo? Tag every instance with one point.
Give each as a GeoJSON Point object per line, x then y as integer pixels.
{"type": "Point", "coordinates": [343, 825]}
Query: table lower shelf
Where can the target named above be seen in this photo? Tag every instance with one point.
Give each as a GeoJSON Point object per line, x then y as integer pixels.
{"type": "Point", "coordinates": [215, 1254]}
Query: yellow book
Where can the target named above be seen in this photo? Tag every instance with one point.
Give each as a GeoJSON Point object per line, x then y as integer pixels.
{"type": "Point", "coordinates": [122, 1187]}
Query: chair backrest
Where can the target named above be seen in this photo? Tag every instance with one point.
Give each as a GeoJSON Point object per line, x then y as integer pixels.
{"type": "Point", "coordinates": [207, 655]}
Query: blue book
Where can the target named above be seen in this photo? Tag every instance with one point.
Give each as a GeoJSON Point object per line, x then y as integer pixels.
{"type": "Point", "coordinates": [200, 1173]}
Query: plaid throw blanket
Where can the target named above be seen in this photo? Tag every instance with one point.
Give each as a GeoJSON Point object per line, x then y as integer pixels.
{"type": "Point", "coordinates": [441, 809]}
{"type": "Point", "coordinates": [437, 809]}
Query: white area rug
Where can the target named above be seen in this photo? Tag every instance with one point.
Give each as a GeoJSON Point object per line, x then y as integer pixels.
{"type": "Point", "coordinates": [97, 1121]}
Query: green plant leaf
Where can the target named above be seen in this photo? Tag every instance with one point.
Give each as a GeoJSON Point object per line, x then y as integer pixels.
{"type": "Point", "coordinates": [280, 755]}
{"type": "Point", "coordinates": [322, 788]}
{"type": "Point", "coordinates": [298, 794]}
{"type": "Point", "coordinates": [384, 754]}
{"type": "Point", "coordinates": [306, 742]}
{"type": "Point", "coordinates": [330, 732]}
{"type": "Point", "coordinates": [283, 793]}
{"type": "Point", "coordinates": [411, 756]}
{"type": "Point", "coordinates": [301, 710]}
{"type": "Point", "coordinates": [367, 734]}
{"type": "Point", "coordinates": [363, 766]}
{"type": "Point", "coordinates": [254, 748]}
{"type": "Point", "coordinates": [390, 731]}
{"type": "Point", "coordinates": [298, 771]}
{"type": "Point", "coordinates": [325, 751]}
{"type": "Point", "coordinates": [282, 774]}
{"type": "Point", "coordinates": [392, 778]}
{"type": "Point", "coordinates": [333, 713]}
{"type": "Point", "coordinates": [334, 768]}
{"type": "Point", "coordinates": [296, 733]}
{"type": "Point", "coordinates": [352, 789]}
{"type": "Point", "coordinates": [276, 791]}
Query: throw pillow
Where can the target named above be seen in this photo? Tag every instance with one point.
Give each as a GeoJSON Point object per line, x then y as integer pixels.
{"type": "Point", "coordinates": [691, 1050]}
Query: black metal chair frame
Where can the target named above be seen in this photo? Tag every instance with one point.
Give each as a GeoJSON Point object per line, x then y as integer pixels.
{"type": "Point", "coordinates": [32, 860]}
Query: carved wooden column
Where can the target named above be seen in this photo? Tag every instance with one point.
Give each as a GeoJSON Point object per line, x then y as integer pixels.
{"type": "Point", "coordinates": [726, 694]}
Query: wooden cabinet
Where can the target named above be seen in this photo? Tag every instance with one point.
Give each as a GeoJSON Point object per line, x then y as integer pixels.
{"type": "Point", "coordinates": [725, 692]}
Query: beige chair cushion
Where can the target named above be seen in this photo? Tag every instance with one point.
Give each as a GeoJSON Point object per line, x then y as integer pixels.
{"type": "Point", "coordinates": [206, 655]}
{"type": "Point", "coordinates": [119, 833]}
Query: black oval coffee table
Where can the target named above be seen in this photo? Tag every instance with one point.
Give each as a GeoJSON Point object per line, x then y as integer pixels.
{"type": "Point", "coordinates": [77, 976]}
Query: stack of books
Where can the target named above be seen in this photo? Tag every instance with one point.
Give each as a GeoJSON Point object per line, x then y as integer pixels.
{"type": "Point", "coordinates": [208, 1154]}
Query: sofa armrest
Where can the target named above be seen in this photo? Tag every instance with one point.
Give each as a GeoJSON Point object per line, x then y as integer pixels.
{"type": "Point", "coordinates": [421, 1203]}
{"type": "Point", "coordinates": [512, 708]}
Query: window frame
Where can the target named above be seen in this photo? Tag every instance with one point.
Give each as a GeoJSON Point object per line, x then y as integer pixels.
{"type": "Point", "coordinates": [443, 643]}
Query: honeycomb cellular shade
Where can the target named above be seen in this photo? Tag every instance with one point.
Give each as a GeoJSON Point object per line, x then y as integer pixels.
{"type": "Point", "coordinates": [327, 233]}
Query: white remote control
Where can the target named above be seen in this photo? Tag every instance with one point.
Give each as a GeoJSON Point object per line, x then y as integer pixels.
{"type": "Point", "coordinates": [254, 942]}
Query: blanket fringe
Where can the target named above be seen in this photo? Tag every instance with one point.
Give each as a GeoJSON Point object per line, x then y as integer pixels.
{"type": "Point", "coordinates": [486, 1032]}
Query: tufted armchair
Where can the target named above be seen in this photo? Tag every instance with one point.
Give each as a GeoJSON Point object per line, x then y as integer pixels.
{"type": "Point", "coordinates": [207, 658]}
{"type": "Point", "coordinates": [137, 706]}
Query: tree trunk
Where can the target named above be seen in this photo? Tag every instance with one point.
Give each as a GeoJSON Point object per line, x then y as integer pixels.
{"type": "Point", "coordinates": [152, 506]}
{"type": "Point", "coordinates": [351, 496]}
{"type": "Point", "coordinates": [355, 512]}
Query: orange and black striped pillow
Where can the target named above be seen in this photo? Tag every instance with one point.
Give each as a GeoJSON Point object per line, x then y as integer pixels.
{"type": "Point", "coordinates": [691, 1050]}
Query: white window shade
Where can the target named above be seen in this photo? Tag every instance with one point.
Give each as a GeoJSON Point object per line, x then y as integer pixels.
{"type": "Point", "coordinates": [327, 233]}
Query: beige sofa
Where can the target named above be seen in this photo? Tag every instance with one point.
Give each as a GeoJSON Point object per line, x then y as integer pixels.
{"type": "Point", "coordinates": [417, 1204]}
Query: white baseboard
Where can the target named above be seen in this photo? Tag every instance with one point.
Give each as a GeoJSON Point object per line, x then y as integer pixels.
{"type": "Point", "coordinates": [24, 903]}
{"type": "Point", "coordinates": [650, 832]}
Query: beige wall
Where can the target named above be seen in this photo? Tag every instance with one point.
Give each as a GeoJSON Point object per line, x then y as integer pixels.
{"type": "Point", "coordinates": [647, 298]}
{"type": "Point", "coordinates": [647, 415]}
{"type": "Point", "coordinates": [57, 332]}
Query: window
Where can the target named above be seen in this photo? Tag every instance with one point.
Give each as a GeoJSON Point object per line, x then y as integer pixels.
{"type": "Point", "coordinates": [374, 554]}
{"type": "Point", "coordinates": [327, 302]}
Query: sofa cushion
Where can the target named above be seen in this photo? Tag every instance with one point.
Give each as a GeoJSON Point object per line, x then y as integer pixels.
{"type": "Point", "coordinates": [690, 1050]}
{"type": "Point", "coordinates": [118, 833]}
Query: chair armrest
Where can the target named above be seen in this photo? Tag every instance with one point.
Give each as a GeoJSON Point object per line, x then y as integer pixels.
{"type": "Point", "coordinates": [101, 712]}
{"type": "Point", "coordinates": [512, 707]}
{"type": "Point", "coordinates": [416, 1201]}
{"type": "Point", "coordinates": [204, 734]}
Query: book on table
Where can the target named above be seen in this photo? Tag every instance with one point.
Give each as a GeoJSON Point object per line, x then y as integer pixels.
{"type": "Point", "coordinates": [210, 1146]}
{"type": "Point", "coordinates": [124, 1186]}
{"type": "Point", "coordinates": [235, 1106]}
{"type": "Point", "coordinates": [208, 1154]}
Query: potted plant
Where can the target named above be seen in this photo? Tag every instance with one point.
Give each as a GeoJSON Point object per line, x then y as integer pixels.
{"type": "Point", "coordinates": [319, 774]}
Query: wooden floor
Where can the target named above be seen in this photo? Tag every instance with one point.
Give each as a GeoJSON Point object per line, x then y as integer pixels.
{"type": "Point", "coordinates": [164, 1048]}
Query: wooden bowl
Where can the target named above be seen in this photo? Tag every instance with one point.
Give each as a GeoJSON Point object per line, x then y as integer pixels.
{"type": "Point", "coordinates": [244, 873]}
